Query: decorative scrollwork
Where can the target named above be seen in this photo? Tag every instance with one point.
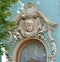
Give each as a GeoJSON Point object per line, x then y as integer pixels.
{"type": "Point", "coordinates": [32, 23]}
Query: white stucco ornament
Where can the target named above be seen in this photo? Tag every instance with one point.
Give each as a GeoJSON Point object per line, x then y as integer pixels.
{"type": "Point", "coordinates": [32, 23]}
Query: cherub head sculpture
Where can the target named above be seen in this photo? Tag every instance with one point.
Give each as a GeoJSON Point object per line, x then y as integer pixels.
{"type": "Point", "coordinates": [29, 25]}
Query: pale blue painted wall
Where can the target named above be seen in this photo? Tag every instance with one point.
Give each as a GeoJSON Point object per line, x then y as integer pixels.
{"type": "Point", "coordinates": [51, 8]}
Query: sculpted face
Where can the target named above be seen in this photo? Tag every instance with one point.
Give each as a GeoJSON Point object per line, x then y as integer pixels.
{"type": "Point", "coordinates": [29, 25]}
